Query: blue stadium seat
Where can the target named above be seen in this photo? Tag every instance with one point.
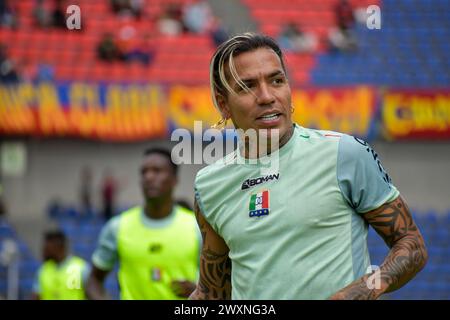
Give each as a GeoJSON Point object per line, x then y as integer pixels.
{"type": "Point", "coordinates": [3, 288]}
{"type": "Point", "coordinates": [6, 231]}
{"type": "Point", "coordinates": [28, 268]}
{"type": "Point", "coordinates": [71, 212]}
{"type": "Point", "coordinates": [25, 288]}
{"type": "Point", "coordinates": [407, 33]}
{"type": "Point", "coordinates": [112, 285]}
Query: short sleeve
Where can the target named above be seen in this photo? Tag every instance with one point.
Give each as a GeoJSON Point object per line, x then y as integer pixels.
{"type": "Point", "coordinates": [36, 287]}
{"type": "Point", "coordinates": [85, 273]}
{"type": "Point", "coordinates": [363, 181]}
{"type": "Point", "coordinates": [105, 255]}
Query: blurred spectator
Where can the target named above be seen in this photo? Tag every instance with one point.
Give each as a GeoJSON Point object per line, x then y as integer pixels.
{"type": "Point", "coordinates": [86, 192]}
{"type": "Point", "coordinates": [8, 14]}
{"type": "Point", "coordinates": [55, 209]}
{"type": "Point", "coordinates": [59, 15]}
{"type": "Point", "coordinates": [3, 52]}
{"type": "Point", "coordinates": [343, 38]}
{"type": "Point", "coordinates": [8, 69]}
{"type": "Point", "coordinates": [42, 15]}
{"type": "Point", "coordinates": [107, 49]}
{"type": "Point", "coordinates": [109, 191]}
{"type": "Point", "coordinates": [345, 18]}
{"type": "Point", "coordinates": [45, 72]}
{"type": "Point", "coordinates": [126, 37]}
{"type": "Point", "coordinates": [218, 32]}
{"type": "Point", "coordinates": [197, 16]}
{"type": "Point", "coordinates": [293, 39]}
{"type": "Point", "coordinates": [132, 48]}
{"type": "Point", "coordinates": [136, 7]}
{"type": "Point", "coordinates": [125, 7]}
{"type": "Point", "coordinates": [143, 52]}
{"type": "Point", "coordinates": [28, 70]}
{"type": "Point", "coordinates": [118, 6]}
{"type": "Point", "coordinates": [170, 23]}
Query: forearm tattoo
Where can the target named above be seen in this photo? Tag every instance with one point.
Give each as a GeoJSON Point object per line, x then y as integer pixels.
{"type": "Point", "coordinates": [215, 268]}
{"type": "Point", "coordinates": [408, 255]}
{"type": "Point", "coordinates": [215, 279]}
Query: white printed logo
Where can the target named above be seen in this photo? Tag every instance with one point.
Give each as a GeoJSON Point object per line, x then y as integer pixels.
{"type": "Point", "coordinates": [373, 20]}
{"type": "Point", "coordinates": [74, 20]}
{"type": "Point", "coordinates": [374, 280]}
{"type": "Point", "coordinates": [261, 145]}
{"type": "Point", "coordinates": [74, 278]}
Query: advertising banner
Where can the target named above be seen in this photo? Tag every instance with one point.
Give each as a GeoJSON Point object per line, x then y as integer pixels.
{"type": "Point", "coordinates": [134, 112]}
{"type": "Point", "coordinates": [416, 114]}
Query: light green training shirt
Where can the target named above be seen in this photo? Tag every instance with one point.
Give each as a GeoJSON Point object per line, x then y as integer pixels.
{"type": "Point", "coordinates": [294, 226]}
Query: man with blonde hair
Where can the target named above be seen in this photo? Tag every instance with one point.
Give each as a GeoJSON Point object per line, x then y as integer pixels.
{"type": "Point", "coordinates": [300, 231]}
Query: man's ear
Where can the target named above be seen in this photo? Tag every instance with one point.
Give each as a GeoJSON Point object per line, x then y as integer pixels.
{"type": "Point", "coordinates": [223, 106]}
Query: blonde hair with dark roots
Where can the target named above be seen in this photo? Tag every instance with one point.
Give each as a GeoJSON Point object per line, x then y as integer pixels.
{"type": "Point", "coordinates": [224, 56]}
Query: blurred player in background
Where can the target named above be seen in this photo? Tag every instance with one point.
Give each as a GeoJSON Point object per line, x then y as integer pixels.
{"type": "Point", "coordinates": [62, 276]}
{"type": "Point", "coordinates": [157, 245]}
{"type": "Point", "coordinates": [302, 233]}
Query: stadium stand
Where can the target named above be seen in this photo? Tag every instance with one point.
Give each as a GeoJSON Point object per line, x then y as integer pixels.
{"type": "Point", "coordinates": [182, 59]}
{"type": "Point", "coordinates": [410, 50]}
{"type": "Point", "coordinates": [28, 264]}
{"type": "Point", "coordinates": [82, 235]}
{"type": "Point", "coordinates": [402, 46]}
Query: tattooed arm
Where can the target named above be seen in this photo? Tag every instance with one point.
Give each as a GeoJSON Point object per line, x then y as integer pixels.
{"type": "Point", "coordinates": [407, 255]}
{"type": "Point", "coordinates": [215, 265]}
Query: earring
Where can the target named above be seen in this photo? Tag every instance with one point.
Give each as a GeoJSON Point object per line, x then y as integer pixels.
{"type": "Point", "coordinates": [221, 124]}
{"type": "Point", "coordinates": [292, 109]}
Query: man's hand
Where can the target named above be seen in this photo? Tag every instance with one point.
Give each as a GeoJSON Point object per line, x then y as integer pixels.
{"type": "Point", "coordinates": [408, 255]}
{"type": "Point", "coordinates": [94, 287]}
{"type": "Point", "coordinates": [359, 290]}
{"type": "Point", "coordinates": [183, 288]}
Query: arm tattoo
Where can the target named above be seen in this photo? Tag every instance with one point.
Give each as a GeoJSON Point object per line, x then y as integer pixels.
{"type": "Point", "coordinates": [357, 290]}
{"type": "Point", "coordinates": [215, 279]}
{"type": "Point", "coordinates": [215, 268]}
{"type": "Point", "coordinates": [408, 255]}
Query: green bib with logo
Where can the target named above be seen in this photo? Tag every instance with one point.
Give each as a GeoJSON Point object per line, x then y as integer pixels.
{"type": "Point", "coordinates": [62, 282]}
{"type": "Point", "coordinates": [152, 257]}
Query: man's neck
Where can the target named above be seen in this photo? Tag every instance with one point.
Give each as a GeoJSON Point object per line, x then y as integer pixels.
{"type": "Point", "coordinates": [284, 139]}
{"type": "Point", "coordinates": [61, 258]}
{"type": "Point", "coordinates": [158, 209]}
{"type": "Point", "coordinates": [250, 152]}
